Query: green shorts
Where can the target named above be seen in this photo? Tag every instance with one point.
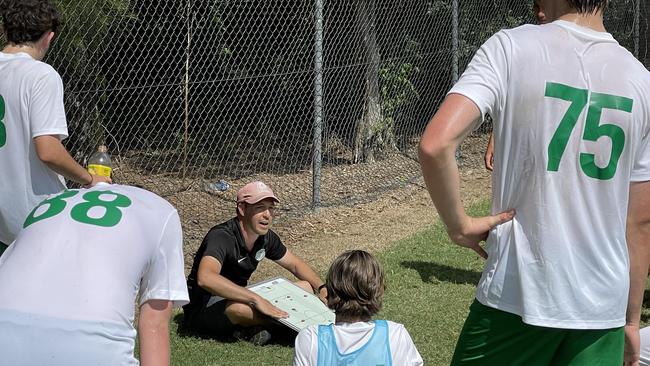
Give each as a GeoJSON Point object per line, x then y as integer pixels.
{"type": "Point", "coordinates": [495, 337]}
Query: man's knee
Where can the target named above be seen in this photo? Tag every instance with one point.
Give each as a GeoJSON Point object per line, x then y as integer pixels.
{"type": "Point", "coordinates": [239, 313]}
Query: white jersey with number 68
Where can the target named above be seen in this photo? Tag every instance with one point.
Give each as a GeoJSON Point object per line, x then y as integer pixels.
{"type": "Point", "coordinates": [71, 278]}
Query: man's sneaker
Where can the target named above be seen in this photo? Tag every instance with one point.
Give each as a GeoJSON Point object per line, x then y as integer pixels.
{"type": "Point", "coordinates": [261, 338]}
{"type": "Point", "coordinates": [256, 335]}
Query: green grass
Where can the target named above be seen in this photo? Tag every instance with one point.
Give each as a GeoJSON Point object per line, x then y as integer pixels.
{"type": "Point", "coordinates": [198, 352]}
{"type": "Point", "coordinates": [430, 286]}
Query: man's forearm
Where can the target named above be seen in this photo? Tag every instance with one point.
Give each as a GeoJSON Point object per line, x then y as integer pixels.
{"type": "Point", "coordinates": [221, 286]}
{"type": "Point", "coordinates": [437, 152]}
{"type": "Point", "coordinates": [53, 154]}
{"type": "Point", "coordinates": [306, 273]}
{"type": "Point", "coordinates": [638, 244]}
{"type": "Point", "coordinates": [300, 269]}
{"type": "Point", "coordinates": [639, 252]}
{"type": "Point", "coordinates": [153, 331]}
{"type": "Point", "coordinates": [442, 179]}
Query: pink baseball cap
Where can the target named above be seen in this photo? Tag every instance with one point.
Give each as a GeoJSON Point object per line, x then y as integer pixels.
{"type": "Point", "coordinates": [254, 192]}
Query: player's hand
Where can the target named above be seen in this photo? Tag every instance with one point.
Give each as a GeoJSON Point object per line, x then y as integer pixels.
{"type": "Point", "coordinates": [476, 229]}
{"type": "Point", "coordinates": [322, 295]}
{"type": "Point", "coordinates": [632, 345]}
{"type": "Point", "coordinates": [97, 179]}
{"type": "Point", "coordinates": [489, 160]}
{"type": "Point", "coordinates": [265, 307]}
{"type": "Point", "coordinates": [489, 154]}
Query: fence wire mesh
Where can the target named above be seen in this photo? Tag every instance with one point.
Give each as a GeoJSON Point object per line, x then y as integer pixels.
{"type": "Point", "coordinates": [324, 100]}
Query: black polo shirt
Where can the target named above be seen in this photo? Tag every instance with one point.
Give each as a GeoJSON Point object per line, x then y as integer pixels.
{"type": "Point", "coordinates": [226, 243]}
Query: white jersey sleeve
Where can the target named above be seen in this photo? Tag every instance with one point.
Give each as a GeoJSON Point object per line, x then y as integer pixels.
{"type": "Point", "coordinates": [305, 352]}
{"type": "Point", "coordinates": [644, 333]}
{"type": "Point", "coordinates": [485, 79]}
{"type": "Point", "coordinates": [402, 345]}
{"type": "Point", "coordinates": [46, 110]}
{"type": "Point", "coordinates": [164, 278]}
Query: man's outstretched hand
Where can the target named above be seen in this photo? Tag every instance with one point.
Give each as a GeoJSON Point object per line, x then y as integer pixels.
{"type": "Point", "coordinates": [266, 308]}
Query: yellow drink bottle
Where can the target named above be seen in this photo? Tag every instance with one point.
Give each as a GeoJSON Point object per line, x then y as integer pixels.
{"type": "Point", "coordinates": [100, 162]}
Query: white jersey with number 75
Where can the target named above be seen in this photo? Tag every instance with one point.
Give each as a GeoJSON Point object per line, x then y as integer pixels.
{"type": "Point", "coordinates": [571, 120]}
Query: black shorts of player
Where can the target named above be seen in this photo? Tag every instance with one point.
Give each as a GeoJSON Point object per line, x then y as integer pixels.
{"type": "Point", "coordinates": [210, 320]}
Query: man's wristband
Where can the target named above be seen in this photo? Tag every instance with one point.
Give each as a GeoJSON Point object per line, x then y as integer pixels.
{"type": "Point", "coordinates": [91, 179]}
{"type": "Point", "coordinates": [320, 288]}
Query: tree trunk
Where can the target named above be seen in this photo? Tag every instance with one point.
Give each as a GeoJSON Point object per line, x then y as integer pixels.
{"type": "Point", "coordinates": [369, 130]}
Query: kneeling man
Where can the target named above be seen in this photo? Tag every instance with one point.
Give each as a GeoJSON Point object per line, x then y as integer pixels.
{"type": "Point", "coordinates": [220, 304]}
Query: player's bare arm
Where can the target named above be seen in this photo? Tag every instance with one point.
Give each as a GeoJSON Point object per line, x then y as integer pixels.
{"type": "Point", "coordinates": [455, 119]}
{"type": "Point", "coordinates": [210, 279]}
{"type": "Point", "coordinates": [304, 272]}
{"type": "Point", "coordinates": [638, 242]}
{"type": "Point", "coordinates": [489, 154]}
{"type": "Point", "coordinates": [153, 331]}
{"type": "Point", "coordinates": [52, 153]}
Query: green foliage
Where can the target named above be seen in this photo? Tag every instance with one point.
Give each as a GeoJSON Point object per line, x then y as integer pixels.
{"type": "Point", "coordinates": [474, 33]}
{"type": "Point", "coordinates": [619, 18]}
{"type": "Point", "coordinates": [79, 54]}
{"type": "Point", "coordinates": [438, 6]}
{"type": "Point", "coordinates": [397, 89]}
{"type": "Point", "coordinates": [86, 31]}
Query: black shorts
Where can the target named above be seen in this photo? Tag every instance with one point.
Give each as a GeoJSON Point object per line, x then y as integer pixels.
{"type": "Point", "coordinates": [209, 320]}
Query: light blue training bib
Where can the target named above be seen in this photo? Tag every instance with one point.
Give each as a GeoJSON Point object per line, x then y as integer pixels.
{"type": "Point", "coordinates": [376, 352]}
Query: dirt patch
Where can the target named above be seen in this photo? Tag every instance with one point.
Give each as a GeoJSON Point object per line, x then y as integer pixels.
{"type": "Point", "coordinates": [366, 206]}
{"type": "Point", "coordinates": [373, 226]}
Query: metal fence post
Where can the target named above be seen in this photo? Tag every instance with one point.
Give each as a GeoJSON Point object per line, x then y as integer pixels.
{"type": "Point", "coordinates": [454, 50]}
{"type": "Point", "coordinates": [318, 105]}
{"type": "Point", "coordinates": [454, 41]}
{"type": "Point", "coordinates": [637, 20]}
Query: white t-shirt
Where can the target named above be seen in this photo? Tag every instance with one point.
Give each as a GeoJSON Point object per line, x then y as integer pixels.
{"type": "Point", "coordinates": [562, 261]}
{"type": "Point", "coordinates": [645, 346]}
{"type": "Point", "coordinates": [32, 95]}
{"type": "Point", "coordinates": [76, 269]}
{"type": "Point", "coordinates": [352, 336]}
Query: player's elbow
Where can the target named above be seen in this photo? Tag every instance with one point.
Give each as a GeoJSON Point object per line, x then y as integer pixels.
{"type": "Point", "coordinates": [426, 150]}
{"type": "Point", "coordinates": [639, 227]}
{"type": "Point", "coordinates": [204, 278]}
{"type": "Point", "coordinates": [201, 280]}
{"type": "Point", "coordinates": [432, 148]}
{"type": "Point", "coordinates": [47, 149]}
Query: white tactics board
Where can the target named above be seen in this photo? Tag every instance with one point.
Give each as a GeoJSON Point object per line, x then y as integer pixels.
{"type": "Point", "coordinates": [304, 308]}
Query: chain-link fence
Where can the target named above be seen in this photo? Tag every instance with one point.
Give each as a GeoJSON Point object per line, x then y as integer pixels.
{"type": "Point", "coordinates": [325, 100]}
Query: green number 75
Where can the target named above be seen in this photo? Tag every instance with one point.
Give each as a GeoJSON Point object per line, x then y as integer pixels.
{"type": "Point", "coordinates": [3, 129]}
{"type": "Point", "coordinates": [579, 98]}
